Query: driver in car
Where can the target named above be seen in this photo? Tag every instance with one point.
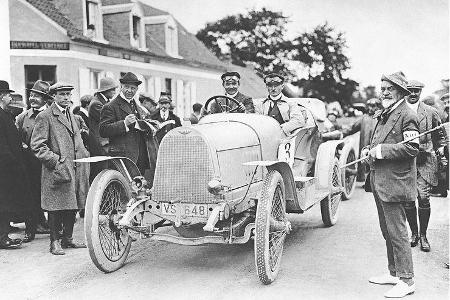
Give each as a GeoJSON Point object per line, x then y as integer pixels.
{"type": "Point", "coordinates": [231, 84]}
{"type": "Point", "coordinates": [278, 106]}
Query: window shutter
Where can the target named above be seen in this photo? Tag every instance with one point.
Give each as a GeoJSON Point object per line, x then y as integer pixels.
{"type": "Point", "coordinates": [180, 99]}
{"type": "Point", "coordinates": [84, 81]}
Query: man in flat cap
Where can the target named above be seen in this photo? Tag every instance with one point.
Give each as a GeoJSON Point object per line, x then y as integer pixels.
{"type": "Point", "coordinates": [25, 124]}
{"type": "Point", "coordinates": [14, 184]}
{"type": "Point", "coordinates": [393, 178]}
{"type": "Point", "coordinates": [231, 83]}
{"type": "Point", "coordinates": [164, 114]}
{"type": "Point", "coordinates": [426, 162]}
{"type": "Point", "coordinates": [56, 141]}
{"type": "Point", "coordinates": [118, 123]}
{"type": "Point", "coordinates": [98, 145]}
{"type": "Point", "coordinates": [278, 106]}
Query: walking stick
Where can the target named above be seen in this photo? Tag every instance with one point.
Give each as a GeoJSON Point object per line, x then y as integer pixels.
{"type": "Point", "coordinates": [402, 142]}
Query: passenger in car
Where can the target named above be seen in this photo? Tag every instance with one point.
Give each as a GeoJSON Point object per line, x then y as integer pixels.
{"type": "Point", "coordinates": [278, 106]}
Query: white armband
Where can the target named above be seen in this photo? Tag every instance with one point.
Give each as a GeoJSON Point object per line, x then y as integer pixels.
{"type": "Point", "coordinates": [411, 136]}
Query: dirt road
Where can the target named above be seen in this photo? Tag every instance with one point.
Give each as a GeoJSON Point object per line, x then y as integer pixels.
{"type": "Point", "coordinates": [318, 263]}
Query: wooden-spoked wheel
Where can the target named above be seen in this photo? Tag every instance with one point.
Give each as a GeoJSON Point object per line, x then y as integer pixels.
{"type": "Point", "coordinates": [349, 173]}
{"type": "Point", "coordinates": [329, 206]}
{"type": "Point", "coordinates": [271, 227]}
{"type": "Point", "coordinates": [107, 198]}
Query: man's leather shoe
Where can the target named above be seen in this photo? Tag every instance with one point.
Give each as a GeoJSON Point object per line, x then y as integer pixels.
{"type": "Point", "coordinates": [28, 237]}
{"type": "Point", "coordinates": [384, 279]}
{"type": "Point", "coordinates": [40, 229]}
{"type": "Point", "coordinates": [8, 243]}
{"type": "Point", "coordinates": [414, 239]}
{"type": "Point", "coordinates": [400, 290]}
{"type": "Point", "coordinates": [70, 243]}
{"type": "Point", "coordinates": [424, 245]}
{"type": "Point", "coordinates": [14, 228]}
{"type": "Point", "coordinates": [55, 248]}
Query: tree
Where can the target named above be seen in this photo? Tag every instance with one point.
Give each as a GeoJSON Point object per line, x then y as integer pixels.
{"type": "Point", "coordinates": [257, 38]}
{"type": "Point", "coordinates": [321, 53]}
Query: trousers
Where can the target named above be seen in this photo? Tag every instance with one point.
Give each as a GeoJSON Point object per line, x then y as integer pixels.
{"type": "Point", "coordinates": [392, 219]}
{"type": "Point", "coordinates": [61, 220]}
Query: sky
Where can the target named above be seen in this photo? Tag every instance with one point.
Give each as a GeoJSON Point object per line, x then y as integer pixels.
{"type": "Point", "coordinates": [383, 36]}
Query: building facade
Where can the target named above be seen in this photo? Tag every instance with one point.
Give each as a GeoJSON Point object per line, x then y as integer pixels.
{"type": "Point", "coordinates": [81, 41]}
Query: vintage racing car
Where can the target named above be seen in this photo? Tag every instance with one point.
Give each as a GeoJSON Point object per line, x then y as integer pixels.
{"type": "Point", "coordinates": [229, 179]}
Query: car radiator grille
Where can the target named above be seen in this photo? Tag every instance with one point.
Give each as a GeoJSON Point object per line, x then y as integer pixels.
{"type": "Point", "coordinates": [183, 170]}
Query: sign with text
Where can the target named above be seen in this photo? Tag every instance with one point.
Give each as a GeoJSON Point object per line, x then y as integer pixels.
{"type": "Point", "coordinates": [38, 45]}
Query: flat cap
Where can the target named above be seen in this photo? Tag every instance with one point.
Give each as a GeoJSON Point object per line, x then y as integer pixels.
{"type": "Point", "coordinates": [414, 84]}
{"type": "Point", "coordinates": [60, 86]}
{"type": "Point", "coordinates": [274, 77]}
{"type": "Point", "coordinates": [230, 76]}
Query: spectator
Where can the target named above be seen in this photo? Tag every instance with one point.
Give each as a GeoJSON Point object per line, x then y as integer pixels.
{"type": "Point", "coordinates": [195, 116]}
{"type": "Point", "coordinates": [82, 110]}
{"type": "Point", "coordinates": [56, 141]}
{"type": "Point", "coordinates": [148, 103]}
{"type": "Point", "coordinates": [164, 114]}
{"type": "Point", "coordinates": [14, 185]}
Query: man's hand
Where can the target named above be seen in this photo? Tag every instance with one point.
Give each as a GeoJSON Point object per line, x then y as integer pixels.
{"type": "Point", "coordinates": [130, 119]}
{"type": "Point", "coordinates": [364, 152]}
{"type": "Point", "coordinates": [373, 152]}
{"type": "Point", "coordinates": [241, 107]}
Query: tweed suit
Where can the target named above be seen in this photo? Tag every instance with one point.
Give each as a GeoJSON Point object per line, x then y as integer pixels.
{"type": "Point", "coordinates": [392, 178]}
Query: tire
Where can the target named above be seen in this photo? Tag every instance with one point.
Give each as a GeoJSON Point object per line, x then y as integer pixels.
{"type": "Point", "coordinates": [349, 173]}
{"type": "Point", "coordinates": [269, 241]}
{"type": "Point", "coordinates": [329, 206]}
{"type": "Point", "coordinates": [108, 246]}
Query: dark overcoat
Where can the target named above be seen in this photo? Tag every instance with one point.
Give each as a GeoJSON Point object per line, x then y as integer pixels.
{"type": "Point", "coordinates": [123, 142]}
{"type": "Point", "coordinates": [428, 119]}
{"type": "Point", "coordinates": [97, 145]}
{"type": "Point", "coordinates": [156, 115]}
{"type": "Point", "coordinates": [56, 143]}
{"type": "Point", "coordinates": [14, 184]}
{"type": "Point", "coordinates": [394, 176]}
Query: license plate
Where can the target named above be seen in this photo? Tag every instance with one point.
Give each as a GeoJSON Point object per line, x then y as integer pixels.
{"type": "Point", "coordinates": [189, 210]}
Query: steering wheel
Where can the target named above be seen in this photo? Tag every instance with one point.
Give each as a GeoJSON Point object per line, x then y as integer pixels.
{"type": "Point", "coordinates": [223, 107]}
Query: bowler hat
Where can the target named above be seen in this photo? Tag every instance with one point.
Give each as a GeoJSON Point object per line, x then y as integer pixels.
{"type": "Point", "coordinates": [229, 75]}
{"type": "Point", "coordinates": [130, 78]}
{"type": "Point", "coordinates": [274, 77]}
{"type": "Point", "coordinates": [60, 86]}
{"type": "Point", "coordinates": [398, 79]}
{"type": "Point", "coordinates": [41, 87]}
{"type": "Point", "coordinates": [4, 87]}
{"type": "Point", "coordinates": [414, 84]}
{"type": "Point", "coordinates": [106, 84]}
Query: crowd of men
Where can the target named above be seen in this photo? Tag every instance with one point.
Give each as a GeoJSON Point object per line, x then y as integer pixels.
{"type": "Point", "coordinates": [39, 146]}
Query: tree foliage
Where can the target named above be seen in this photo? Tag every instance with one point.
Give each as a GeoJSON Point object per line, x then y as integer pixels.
{"type": "Point", "coordinates": [256, 38]}
{"type": "Point", "coordinates": [315, 60]}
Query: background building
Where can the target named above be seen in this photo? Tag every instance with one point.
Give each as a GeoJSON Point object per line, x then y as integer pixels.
{"type": "Point", "coordinates": [81, 41]}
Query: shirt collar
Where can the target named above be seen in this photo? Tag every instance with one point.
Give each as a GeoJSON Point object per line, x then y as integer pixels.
{"type": "Point", "coordinates": [414, 106]}
{"type": "Point", "coordinates": [129, 100]}
{"type": "Point", "coordinates": [106, 99]}
{"type": "Point", "coordinates": [164, 113]}
{"type": "Point", "coordinates": [84, 110]}
{"type": "Point", "coordinates": [60, 108]}
{"type": "Point", "coordinates": [277, 97]}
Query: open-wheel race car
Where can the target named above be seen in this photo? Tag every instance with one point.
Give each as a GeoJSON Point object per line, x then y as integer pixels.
{"type": "Point", "coordinates": [229, 179]}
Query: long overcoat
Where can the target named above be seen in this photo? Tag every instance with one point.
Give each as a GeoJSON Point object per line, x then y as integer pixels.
{"type": "Point", "coordinates": [394, 177]}
{"type": "Point", "coordinates": [56, 143]}
{"type": "Point", "coordinates": [14, 184]}
{"type": "Point", "coordinates": [97, 145]}
{"type": "Point", "coordinates": [428, 119]}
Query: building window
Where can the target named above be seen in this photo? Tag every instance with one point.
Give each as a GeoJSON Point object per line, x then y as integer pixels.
{"type": "Point", "coordinates": [171, 41]}
{"type": "Point", "coordinates": [94, 79]}
{"type": "Point", "coordinates": [36, 72]}
{"type": "Point", "coordinates": [150, 86]}
{"type": "Point", "coordinates": [168, 86]}
{"type": "Point", "coordinates": [136, 38]}
{"type": "Point", "coordinates": [92, 19]}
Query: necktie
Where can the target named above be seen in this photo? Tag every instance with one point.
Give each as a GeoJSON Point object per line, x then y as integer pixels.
{"type": "Point", "coordinates": [134, 108]}
{"type": "Point", "coordinates": [274, 110]}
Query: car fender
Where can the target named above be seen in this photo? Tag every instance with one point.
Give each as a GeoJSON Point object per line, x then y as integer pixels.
{"type": "Point", "coordinates": [285, 170]}
{"type": "Point", "coordinates": [325, 155]}
{"type": "Point", "coordinates": [122, 164]}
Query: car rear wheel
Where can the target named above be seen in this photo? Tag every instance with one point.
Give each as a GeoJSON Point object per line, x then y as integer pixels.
{"type": "Point", "coordinates": [107, 198]}
{"type": "Point", "coordinates": [329, 206]}
{"type": "Point", "coordinates": [349, 173]}
{"type": "Point", "coordinates": [271, 227]}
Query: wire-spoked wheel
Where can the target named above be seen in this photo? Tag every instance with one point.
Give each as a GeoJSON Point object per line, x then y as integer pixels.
{"type": "Point", "coordinates": [329, 206]}
{"type": "Point", "coordinates": [107, 198]}
{"type": "Point", "coordinates": [272, 227]}
{"type": "Point", "coordinates": [349, 173]}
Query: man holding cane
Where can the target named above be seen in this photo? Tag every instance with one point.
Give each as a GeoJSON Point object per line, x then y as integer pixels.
{"type": "Point", "coordinates": [392, 179]}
